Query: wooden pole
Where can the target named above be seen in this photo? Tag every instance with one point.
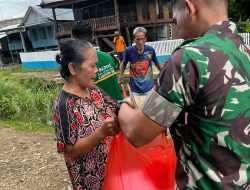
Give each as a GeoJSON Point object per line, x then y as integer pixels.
{"type": "Point", "coordinates": [23, 41]}
{"type": "Point", "coordinates": [55, 25]}
{"type": "Point", "coordinates": [128, 36]}
{"type": "Point", "coordinates": [117, 16]}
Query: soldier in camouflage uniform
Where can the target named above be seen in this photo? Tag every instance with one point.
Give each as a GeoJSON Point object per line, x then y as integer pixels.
{"type": "Point", "coordinates": [208, 77]}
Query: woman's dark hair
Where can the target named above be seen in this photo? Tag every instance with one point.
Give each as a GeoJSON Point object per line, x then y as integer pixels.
{"type": "Point", "coordinates": [73, 51]}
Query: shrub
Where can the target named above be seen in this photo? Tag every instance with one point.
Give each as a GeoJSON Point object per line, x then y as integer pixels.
{"type": "Point", "coordinates": [244, 26]}
{"type": "Point", "coordinates": [27, 99]}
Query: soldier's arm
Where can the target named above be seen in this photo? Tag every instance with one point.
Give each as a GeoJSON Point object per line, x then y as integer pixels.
{"type": "Point", "coordinates": [162, 106]}
{"type": "Point", "coordinates": [137, 127]}
{"type": "Point", "coordinates": [143, 125]}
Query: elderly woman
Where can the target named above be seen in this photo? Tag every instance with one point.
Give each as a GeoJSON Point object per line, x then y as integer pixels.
{"type": "Point", "coordinates": [83, 117]}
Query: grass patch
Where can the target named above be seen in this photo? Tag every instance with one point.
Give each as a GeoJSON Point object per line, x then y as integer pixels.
{"type": "Point", "coordinates": [6, 75]}
{"type": "Point", "coordinates": [27, 103]}
{"type": "Point", "coordinates": [27, 126]}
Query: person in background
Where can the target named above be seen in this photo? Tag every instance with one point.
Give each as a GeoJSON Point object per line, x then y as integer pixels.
{"type": "Point", "coordinates": [140, 57]}
{"type": "Point", "coordinates": [106, 77]}
{"type": "Point", "coordinates": [208, 77]}
{"type": "Point", "coordinates": [120, 45]}
{"type": "Point", "coordinates": [83, 117]}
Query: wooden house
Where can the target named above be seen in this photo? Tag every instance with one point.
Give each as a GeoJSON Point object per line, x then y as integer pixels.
{"type": "Point", "coordinates": [107, 16]}
{"type": "Point", "coordinates": [35, 32]}
{"type": "Point", "coordinates": [39, 24]}
{"type": "Point", "coordinates": [11, 40]}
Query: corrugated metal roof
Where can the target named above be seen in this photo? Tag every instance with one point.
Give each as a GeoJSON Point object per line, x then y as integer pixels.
{"type": "Point", "coordinates": [2, 36]}
{"type": "Point", "coordinates": [61, 14]}
{"type": "Point", "coordinates": [36, 15]}
{"type": "Point", "coordinates": [50, 1]}
{"type": "Point", "coordinates": [58, 3]}
{"type": "Point", "coordinates": [10, 27]}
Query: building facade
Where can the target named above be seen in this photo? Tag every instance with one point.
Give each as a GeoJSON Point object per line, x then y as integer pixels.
{"type": "Point", "coordinates": [105, 17]}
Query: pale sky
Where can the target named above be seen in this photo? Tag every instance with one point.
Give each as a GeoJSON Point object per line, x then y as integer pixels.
{"type": "Point", "coordinates": [15, 8]}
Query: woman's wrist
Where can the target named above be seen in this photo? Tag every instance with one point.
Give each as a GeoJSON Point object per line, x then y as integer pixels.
{"type": "Point", "coordinates": [100, 134]}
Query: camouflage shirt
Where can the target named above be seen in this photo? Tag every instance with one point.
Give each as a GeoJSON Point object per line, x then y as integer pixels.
{"type": "Point", "coordinates": [209, 78]}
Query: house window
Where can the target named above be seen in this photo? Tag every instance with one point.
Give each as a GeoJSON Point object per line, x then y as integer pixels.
{"type": "Point", "coordinates": [145, 9]}
{"type": "Point", "coordinates": [34, 34]}
{"type": "Point", "coordinates": [44, 36]}
{"type": "Point", "coordinates": [78, 14]}
{"type": "Point", "coordinates": [42, 33]}
{"type": "Point", "coordinates": [86, 14]}
{"type": "Point", "coordinates": [50, 32]}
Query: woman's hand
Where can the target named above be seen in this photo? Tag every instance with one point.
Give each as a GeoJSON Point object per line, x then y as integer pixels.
{"type": "Point", "coordinates": [108, 128]}
{"type": "Point", "coordinates": [86, 144]}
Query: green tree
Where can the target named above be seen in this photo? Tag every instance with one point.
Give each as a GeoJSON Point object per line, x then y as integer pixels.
{"type": "Point", "coordinates": [239, 10]}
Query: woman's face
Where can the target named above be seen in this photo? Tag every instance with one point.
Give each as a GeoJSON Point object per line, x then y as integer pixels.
{"type": "Point", "coordinates": [86, 74]}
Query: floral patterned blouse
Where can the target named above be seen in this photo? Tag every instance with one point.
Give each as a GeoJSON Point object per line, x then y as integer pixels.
{"type": "Point", "coordinates": [75, 118]}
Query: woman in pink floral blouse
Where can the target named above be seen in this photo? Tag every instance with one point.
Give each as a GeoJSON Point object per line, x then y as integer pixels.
{"type": "Point", "coordinates": [83, 117]}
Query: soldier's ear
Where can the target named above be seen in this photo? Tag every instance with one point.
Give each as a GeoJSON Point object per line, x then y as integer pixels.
{"type": "Point", "coordinates": [191, 7]}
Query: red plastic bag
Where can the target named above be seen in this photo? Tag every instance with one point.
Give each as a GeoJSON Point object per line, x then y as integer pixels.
{"type": "Point", "coordinates": [151, 167]}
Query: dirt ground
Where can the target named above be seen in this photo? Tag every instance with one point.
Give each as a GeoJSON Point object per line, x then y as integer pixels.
{"type": "Point", "coordinates": [30, 161]}
{"type": "Point", "coordinates": [46, 76]}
